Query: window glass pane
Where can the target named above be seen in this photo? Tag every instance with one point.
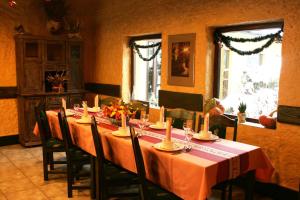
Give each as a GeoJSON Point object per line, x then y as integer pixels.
{"type": "Point", "coordinates": [147, 73]}
{"type": "Point", "coordinates": [253, 79]}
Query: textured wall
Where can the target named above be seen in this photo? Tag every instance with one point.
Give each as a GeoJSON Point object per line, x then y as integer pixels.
{"type": "Point", "coordinates": [30, 14]}
{"type": "Point", "coordinates": [116, 20]}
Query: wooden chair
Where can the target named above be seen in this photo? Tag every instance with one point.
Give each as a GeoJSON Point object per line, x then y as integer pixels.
{"type": "Point", "coordinates": [139, 106]}
{"type": "Point", "coordinates": [109, 177]}
{"type": "Point", "coordinates": [108, 101]}
{"type": "Point", "coordinates": [179, 115]}
{"type": "Point", "coordinates": [218, 125]}
{"type": "Point", "coordinates": [148, 191]}
{"type": "Point", "coordinates": [76, 158]}
{"type": "Point", "coordinates": [50, 145]}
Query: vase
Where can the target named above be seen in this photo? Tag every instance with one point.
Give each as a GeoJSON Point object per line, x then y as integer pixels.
{"type": "Point", "coordinates": [241, 117]}
{"type": "Point", "coordinates": [57, 87]}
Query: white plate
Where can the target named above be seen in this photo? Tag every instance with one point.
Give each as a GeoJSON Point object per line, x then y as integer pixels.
{"type": "Point", "coordinates": [68, 113]}
{"type": "Point", "coordinates": [83, 121]}
{"type": "Point", "coordinates": [200, 137]}
{"type": "Point", "coordinates": [154, 126]}
{"type": "Point", "coordinates": [120, 134]}
{"type": "Point", "coordinates": [176, 147]}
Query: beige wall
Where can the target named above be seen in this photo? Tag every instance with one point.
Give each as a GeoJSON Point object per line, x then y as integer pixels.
{"type": "Point", "coordinates": [116, 20]}
{"type": "Point", "coordinates": [30, 14]}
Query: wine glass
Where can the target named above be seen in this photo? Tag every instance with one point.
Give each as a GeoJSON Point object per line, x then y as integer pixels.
{"type": "Point", "coordinates": [143, 122]}
{"type": "Point", "coordinates": [189, 132]}
{"type": "Point", "coordinates": [76, 108]}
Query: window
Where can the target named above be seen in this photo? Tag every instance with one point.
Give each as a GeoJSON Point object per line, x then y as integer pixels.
{"type": "Point", "coordinates": [146, 74]}
{"type": "Point", "coordinates": [253, 79]}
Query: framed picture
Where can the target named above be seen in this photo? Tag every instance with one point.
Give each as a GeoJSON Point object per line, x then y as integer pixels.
{"type": "Point", "coordinates": [181, 50]}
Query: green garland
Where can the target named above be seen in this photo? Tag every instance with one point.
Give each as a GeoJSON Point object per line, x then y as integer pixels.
{"type": "Point", "coordinates": [220, 38]}
{"type": "Point", "coordinates": [137, 49]}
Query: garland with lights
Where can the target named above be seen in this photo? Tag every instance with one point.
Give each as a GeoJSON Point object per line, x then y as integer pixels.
{"type": "Point", "coordinates": [137, 48]}
{"type": "Point", "coordinates": [220, 38]}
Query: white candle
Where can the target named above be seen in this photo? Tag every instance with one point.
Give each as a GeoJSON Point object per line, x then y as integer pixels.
{"type": "Point", "coordinates": [161, 115]}
{"type": "Point", "coordinates": [64, 104]}
{"type": "Point", "coordinates": [96, 101]}
{"type": "Point", "coordinates": [123, 121]}
{"type": "Point", "coordinates": [206, 123]}
{"type": "Point", "coordinates": [168, 130]}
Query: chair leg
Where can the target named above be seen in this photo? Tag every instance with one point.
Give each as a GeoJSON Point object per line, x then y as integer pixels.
{"type": "Point", "coordinates": [223, 194]}
{"type": "Point", "coordinates": [51, 161]}
{"type": "Point", "coordinates": [93, 178]}
{"type": "Point", "coordinates": [45, 165]}
{"type": "Point", "coordinates": [70, 180]}
{"type": "Point", "coordinates": [230, 192]}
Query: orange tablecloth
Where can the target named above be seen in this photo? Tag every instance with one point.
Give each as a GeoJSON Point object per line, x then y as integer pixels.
{"type": "Point", "coordinates": [189, 175]}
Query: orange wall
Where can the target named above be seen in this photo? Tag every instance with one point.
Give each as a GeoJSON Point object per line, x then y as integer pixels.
{"type": "Point", "coordinates": [30, 14]}
{"type": "Point", "coordinates": [117, 21]}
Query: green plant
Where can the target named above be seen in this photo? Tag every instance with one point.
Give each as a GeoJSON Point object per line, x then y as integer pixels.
{"type": "Point", "coordinates": [242, 107]}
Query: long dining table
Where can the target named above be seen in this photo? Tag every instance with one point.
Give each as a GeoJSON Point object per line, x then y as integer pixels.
{"type": "Point", "coordinates": [188, 174]}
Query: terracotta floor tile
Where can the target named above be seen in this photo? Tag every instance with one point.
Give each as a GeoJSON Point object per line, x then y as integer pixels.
{"type": "Point", "coordinates": [3, 158]}
{"type": "Point", "coordinates": [53, 190]}
{"type": "Point", "coordinates": [30, 194]}
{"type": "Point", "coordinates": [16, 185]}
{"type": "Point", "coordinates": [8, 172]}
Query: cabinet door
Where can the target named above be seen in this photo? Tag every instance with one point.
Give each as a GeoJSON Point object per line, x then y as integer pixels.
{"type": "Point", "coordinates": [75, 65]}
{"type": "Point", "coordinates": [32, 78]}
{"type": "Point", "coordinates": [32, 50]}
{"type": "Point", "coordinates": [30, 121]}
{"type": "Point", "coordinates": [55, 52]}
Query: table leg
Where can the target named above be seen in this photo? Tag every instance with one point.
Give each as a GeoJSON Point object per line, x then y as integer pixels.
{"type": "Point", "coordinates": [250, 182]}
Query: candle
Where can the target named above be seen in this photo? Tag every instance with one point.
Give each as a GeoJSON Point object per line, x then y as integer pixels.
{"type": "Point", "coordinates": [123, 121]}
{"type": "Point", "coordinates": [168, 130]}
{"type": "Point", "coordinates": [162, 115]}
{"type": "Point", "coordinates": [96, 101]}
{"type": "Point", "coordinates": [206, 123]}
{"type": "Point", "coordinates": [64, 104]}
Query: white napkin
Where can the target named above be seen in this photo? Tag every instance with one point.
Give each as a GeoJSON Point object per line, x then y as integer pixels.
{"type": "Point", "coordinates": [64, 104]}
{"type": "Point", "coordinates": [168, 130]}
{"type": "Point", "coordinates": [162, 115]}
{"type": "Point", "coordinates": [206, 123]}
{"type": "Point", "coordinates": [96, 102]}
{"type": "Point", "coordinates": [85, 110]}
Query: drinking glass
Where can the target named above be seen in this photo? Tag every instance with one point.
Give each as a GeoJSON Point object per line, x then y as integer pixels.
{"type": "Point", "coordinates": [76, 108]}
{"type": "Point", "coordinates": [188, 131]}
{"type": "Point", "coordinates": [143, 122]}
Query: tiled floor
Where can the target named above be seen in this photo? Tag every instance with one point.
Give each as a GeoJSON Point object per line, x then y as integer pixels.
{"type": "Point", "coordinates": [21, 178]}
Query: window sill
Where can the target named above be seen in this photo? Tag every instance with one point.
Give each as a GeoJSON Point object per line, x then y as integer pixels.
{"type": "Point", "coordinates": [255, 125]}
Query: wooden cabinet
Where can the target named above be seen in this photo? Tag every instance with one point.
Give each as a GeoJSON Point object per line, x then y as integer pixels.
{"type": "Point", "coordinates": [39, 58]}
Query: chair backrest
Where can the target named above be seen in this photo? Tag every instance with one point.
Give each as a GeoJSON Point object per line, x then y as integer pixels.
{"type": "Point", "coordinates": [139, 162]}
{"type": "Point", "coordinates": [65, 131]}
{"type": "Point", "coordinates": [45, 133]}
{"type": "Point", "coordinates": [179, 115]}
{"type": "Point", "coordinates": [108, 101]}
{"type": "Point", "coordinates": [219, 123]}
{"type": "Point", "coordinates": [97, 140]}
{"type": "Point", "coordinates": [139, 106]}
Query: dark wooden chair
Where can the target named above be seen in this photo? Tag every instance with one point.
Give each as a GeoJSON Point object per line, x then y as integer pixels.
{"type": "Point", "coordinates": [107, 101]}
{"type": "Point", "coordinates": [76, 158]}
{"type": "Point", "coordinates": [139, 106]}
{"type": "Point", "coordinates": [218, 125]}
{"type": "Point", "coordinates": [50, 145]}
{"type": "Point", "coordinates": [111, 181]}
{"type": "Point", "coordinates": [179, 115]}
{"type": "Point", "coordinates": [148, 191]}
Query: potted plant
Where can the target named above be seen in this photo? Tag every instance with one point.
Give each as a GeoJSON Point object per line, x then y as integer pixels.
{"type": "Point", "coordinates": [241, 114]}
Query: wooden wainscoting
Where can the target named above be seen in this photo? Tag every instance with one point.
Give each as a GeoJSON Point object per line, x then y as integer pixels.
{"type": "Point", "coordinates": [104, 89]}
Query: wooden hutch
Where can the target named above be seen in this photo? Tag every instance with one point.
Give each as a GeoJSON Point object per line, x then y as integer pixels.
{"type": "Point", "coordinates": [38, 58]}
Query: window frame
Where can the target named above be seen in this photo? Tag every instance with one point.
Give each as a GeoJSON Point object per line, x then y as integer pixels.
{"type": "Point", "coordinates": [131, 40]}
{"type": "Point", "coordinates": [217, 58]}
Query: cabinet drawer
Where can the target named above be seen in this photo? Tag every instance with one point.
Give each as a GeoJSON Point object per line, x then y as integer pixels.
{"type": "Point", "coordinates": [54, 102]}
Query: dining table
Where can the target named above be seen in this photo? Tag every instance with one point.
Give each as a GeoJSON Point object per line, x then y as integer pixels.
{"type": "Point", "coordinates": [188, 174]}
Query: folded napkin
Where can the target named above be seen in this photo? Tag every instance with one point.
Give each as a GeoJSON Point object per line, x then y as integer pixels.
{"type": "Point", "coordinates": [85, 109]}
{"type": "Point", "coordinates": [206, 123]}
{"type": "Point", "coordinates": [162, 115]}
{"type": "Point", "coordinates": [168, 130]}
{"type": "Point", "coordinates": [123, 120]}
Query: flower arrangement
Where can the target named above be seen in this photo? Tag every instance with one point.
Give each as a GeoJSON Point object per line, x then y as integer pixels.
{"type": "Point", "coordinates": [115, 110]}
{"type": "Point", "coordinates": [57, 80]}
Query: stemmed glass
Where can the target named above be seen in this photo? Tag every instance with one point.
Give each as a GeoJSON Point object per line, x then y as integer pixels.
{"type": "Point", "coordinates": [188, 131]}
{"type": "Point", "coordinates": [143, 122]}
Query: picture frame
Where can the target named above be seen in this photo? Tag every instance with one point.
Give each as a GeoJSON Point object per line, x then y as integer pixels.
{"type": "Point", "coordinates": [181, 53]}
